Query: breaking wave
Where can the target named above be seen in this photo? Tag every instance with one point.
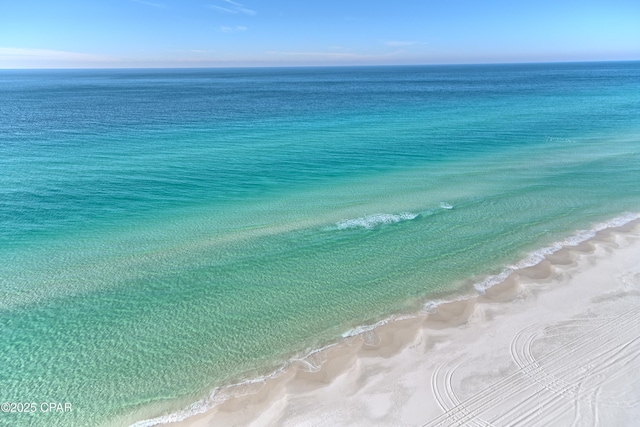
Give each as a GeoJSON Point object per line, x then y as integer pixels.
{"type": "Point", "coordinates": [376, 220]}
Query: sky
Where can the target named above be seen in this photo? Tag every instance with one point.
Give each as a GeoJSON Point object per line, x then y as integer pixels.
{"type": "Point", "coordinates": [232, 33]}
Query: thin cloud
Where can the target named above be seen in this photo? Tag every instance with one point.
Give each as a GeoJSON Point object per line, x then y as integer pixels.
{"type": "Point", "coordinates": [147, 3]}
{"type": "Point", "coordinates": [241, 8]}
{"type": "Point", "coordinates": [233, 7]}
{"type": "Point", "coordinates": [333, 57]}
{"type": "Point", "coordinates": [233, 29]}
{"type": "Point", "coordinates": [330, 55]}
{"type": "Point", "coordinates": [399, 43]}
{"type": "Point", "coordinates": [221, 9]}
{"type": "Point", "coordinates": [12, 53]}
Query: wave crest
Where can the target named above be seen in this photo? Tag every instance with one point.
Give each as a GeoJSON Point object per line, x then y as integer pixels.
{"type": "Point", "coordinates": [537, 256]}
{"type": "Point", "coordinates": [376, 220]}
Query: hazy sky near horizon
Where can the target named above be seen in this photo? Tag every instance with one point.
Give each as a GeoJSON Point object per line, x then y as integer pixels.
{"type": "Point", "coordinates": [210, 33]}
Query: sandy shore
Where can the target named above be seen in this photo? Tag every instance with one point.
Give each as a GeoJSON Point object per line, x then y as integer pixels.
{"type": "Point", "coordinates": [554, 344]}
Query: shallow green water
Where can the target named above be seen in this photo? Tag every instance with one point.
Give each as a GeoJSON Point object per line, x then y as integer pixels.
{"type": "Point", "coordinates": [166, 232]}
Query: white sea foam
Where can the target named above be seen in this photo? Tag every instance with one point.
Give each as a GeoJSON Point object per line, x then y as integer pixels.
{"type": "Point", "coordinates": [372, 221]}
{"type": "Point", "coordinates": [196, 408]}
{"type": "Point", "coordinates": [445, 205]}
{"type": "Point", "coordinates": [221, 394]}
{"type": "Point", "coordinates": [431, 306]}
{"type": "Point", "coordinates": [216, 397]}
{"type": "Point", "coordinates": [535, 257]}
{"type": "Point", "coordinates": [359, 330]}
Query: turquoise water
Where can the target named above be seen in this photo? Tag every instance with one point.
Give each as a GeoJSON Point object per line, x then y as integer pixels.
{"type": "Point", "coordinates": [166, 232]}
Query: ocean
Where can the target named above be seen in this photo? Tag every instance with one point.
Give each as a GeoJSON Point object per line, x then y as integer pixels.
{"type": "Point", "coordinates": [164, 233]}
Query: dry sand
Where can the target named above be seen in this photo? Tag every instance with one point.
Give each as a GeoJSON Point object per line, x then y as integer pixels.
{"type": "Point", "coordinates": [557, 344]}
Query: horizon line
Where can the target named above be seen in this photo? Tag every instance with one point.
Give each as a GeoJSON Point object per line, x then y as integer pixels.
{"type": "Point", "coordinates": [317, 66]}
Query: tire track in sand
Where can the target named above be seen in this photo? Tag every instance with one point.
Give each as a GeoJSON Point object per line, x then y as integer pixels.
{"type": "Point", "coordinates": [542, 387]}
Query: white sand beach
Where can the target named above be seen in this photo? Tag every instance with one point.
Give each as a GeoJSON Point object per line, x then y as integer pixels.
{"type": "Point", "coordinates": [554, 344]}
